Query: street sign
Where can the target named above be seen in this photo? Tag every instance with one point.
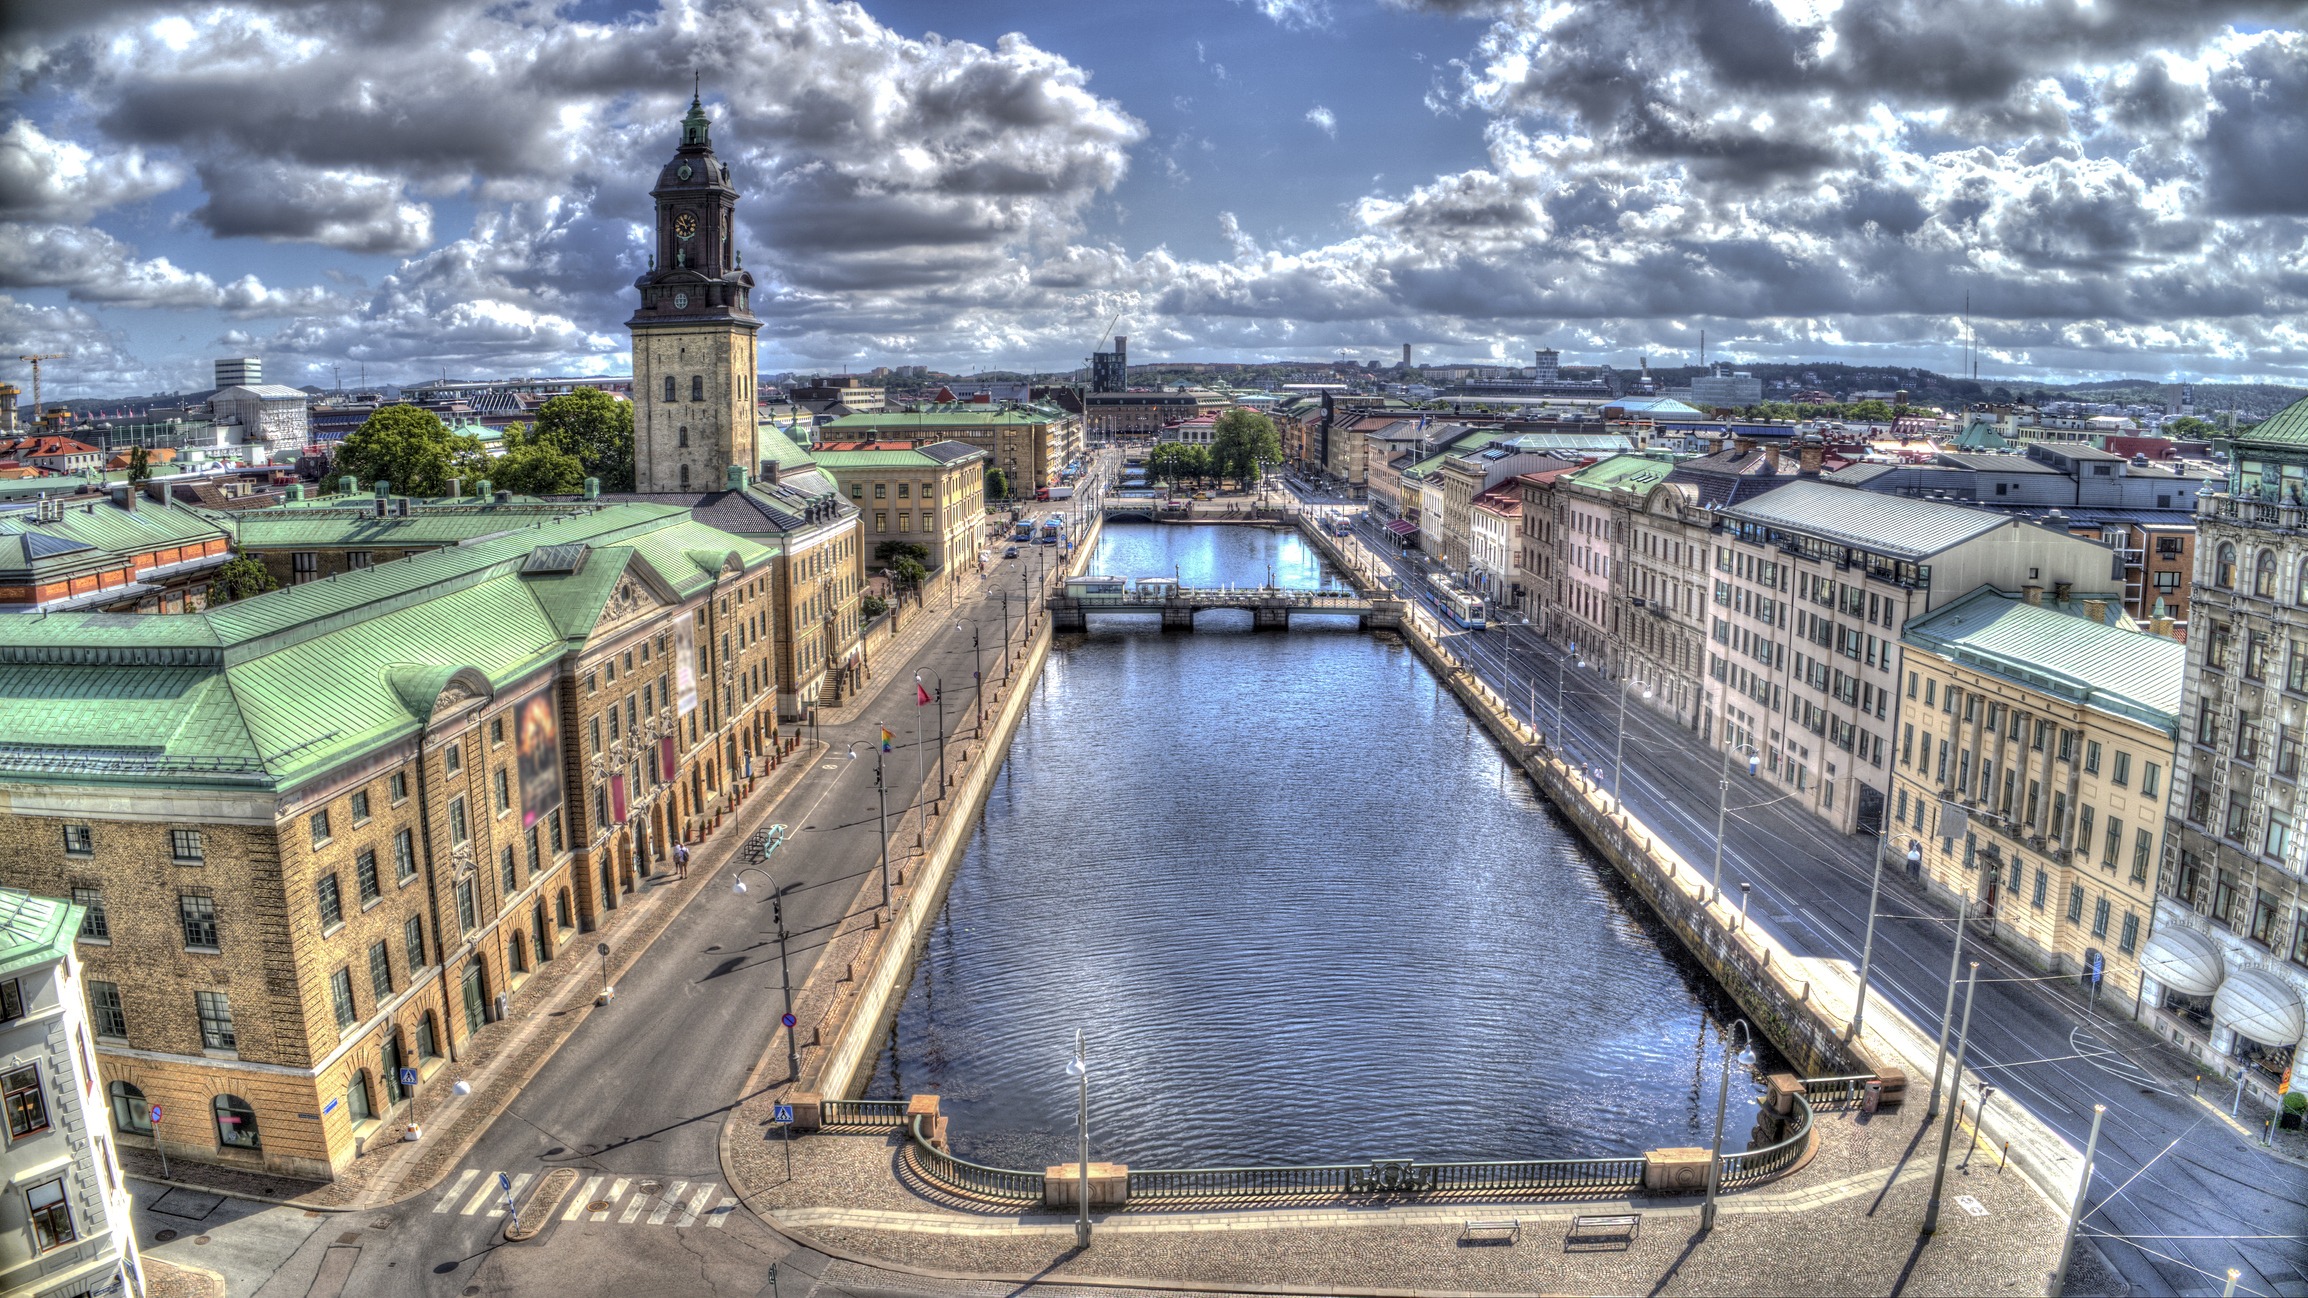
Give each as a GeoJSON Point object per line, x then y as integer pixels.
{"type": "Point", "coordinates": [408, 1077]}
{"type": "Point", "coordinates": [786, 1019]}
{"type": "Point", "coordinates": [782, 1113]}
{"type": "Point", "coordinates": [155, 1119]}
{"type": "Point", "coordinates": [504, 1183]}
{"type": "Point", "coordinates": [2099, 966]}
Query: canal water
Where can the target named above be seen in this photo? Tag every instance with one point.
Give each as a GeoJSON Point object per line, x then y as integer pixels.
{"type": "Point", "coordinates": [1301, 911]}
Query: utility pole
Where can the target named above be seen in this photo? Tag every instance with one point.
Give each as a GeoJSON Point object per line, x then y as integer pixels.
{"type": "Point", "coordinates": [34, 362]}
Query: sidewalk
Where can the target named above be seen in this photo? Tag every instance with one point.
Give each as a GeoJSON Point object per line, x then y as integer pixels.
{"type": "Point", "coordinates": [543, 1011]}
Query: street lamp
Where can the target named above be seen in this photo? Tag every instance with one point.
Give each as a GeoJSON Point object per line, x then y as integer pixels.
{"type": "Point", "coordinates": [881, 818]}
{"type": "Point", "coordinates": [1079, 1066]}
{"type": "Point", "coordinates": [1947, 1131]}
{"type": "Point", "coordinates": [977, 677]}
{"type": "Point", "coordinates": [1867, 948]}
{"type": "Point", "coordinates": [776, 918]}
{"type": "Point", "coordinates": [1722, 1097]}
{"type": "Point", "coordinates": [1947, 1011]}
{"type": "Point", "coordinates": [1619, 742]}
{"type": "Point", "coordinates": [1723, 808]}
{"type": "Point", "coordinates": [938, 696]}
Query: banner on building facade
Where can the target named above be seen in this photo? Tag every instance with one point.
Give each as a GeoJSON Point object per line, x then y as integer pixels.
{"type": "Point", "coordinates": [685, 660]}
{"type": "Point", "coordinates": [668, 759]}
{"type": "Point", "coordinates": [619, 807]}
{"type": "Point", "coordinates": [537, 749]}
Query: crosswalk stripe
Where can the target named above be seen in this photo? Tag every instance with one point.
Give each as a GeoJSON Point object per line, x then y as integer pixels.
{"type": "Point", "coordinates": [449, 1200]}
{"type": "Point", "coordinates": [633, 1207]}
{"type": "Point", "coordinates": [581, 1198]}
{"type": "Point", "coordinates": [719, 1217]}
{"type": "Point", "coordinates": [666, 1203]}
{"type": "Point", "coordinates": [480, 1196]}
{"type": "Point", "coordinates": [498, 1210]}
{"type": "Point", "coordinates": [697, 1205]}
{"type": "Point", "coordinates": [617, 1188]}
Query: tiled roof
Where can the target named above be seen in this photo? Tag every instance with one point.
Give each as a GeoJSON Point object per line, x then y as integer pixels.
{"type": "Point", "coordinates": [2057, 652]}
{"type": "Point", "coordinates": [1896, 526]}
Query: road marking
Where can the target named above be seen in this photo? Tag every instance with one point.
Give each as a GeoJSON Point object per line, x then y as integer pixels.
{"type": "Point", "coordinates": [633, 1207]}
{"type": "Point", "coordinates": [514, 1194]}
{"type": "Point", "coordinates": [480, 1197]}
{"type": "Point", "coordinates": [616, 1188]}
{"type": "Point", "coordinates": [697, 1205]}
{"type": "Point", "coordinates": [449, 1200]}
{"type": "Point", "coordinates": [666, 1203]}
{"type": "Point", "coordinates": [719, 1217]}
{"type": "Point", "coordinates": [584, 1196]}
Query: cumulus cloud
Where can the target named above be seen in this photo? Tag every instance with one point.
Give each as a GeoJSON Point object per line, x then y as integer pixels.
{"type": "Point", "coordinates": [330, 206]}
{"type": "Point", "coordinates": [92, 266]}
{"type": "Point", "coordinates": [42, 178]}
{"type": "Point", "coordinates": [1323, 120]}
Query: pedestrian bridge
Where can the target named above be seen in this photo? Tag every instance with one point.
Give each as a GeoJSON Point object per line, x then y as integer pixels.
{"type": "Point", "coordinates": [1270, 607]}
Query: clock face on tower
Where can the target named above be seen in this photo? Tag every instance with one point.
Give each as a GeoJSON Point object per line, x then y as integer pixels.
{"type": "Point", "coordinates": [684, 226]}
{"type": "Point", "coordinates": [685, 173]}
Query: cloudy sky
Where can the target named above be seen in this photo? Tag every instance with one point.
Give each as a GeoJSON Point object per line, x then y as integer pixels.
{"type": "Point", "coordinates": [427, 187]}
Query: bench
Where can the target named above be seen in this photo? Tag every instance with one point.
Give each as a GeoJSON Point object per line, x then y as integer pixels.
{"type": "Point", "coordinates": [1510, 1228]}
{"type": "Point", "coordinates": [1596, 1227]}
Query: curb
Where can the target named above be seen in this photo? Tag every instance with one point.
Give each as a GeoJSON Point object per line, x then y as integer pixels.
{"type": "Point", "coordinates": [241, 1195]}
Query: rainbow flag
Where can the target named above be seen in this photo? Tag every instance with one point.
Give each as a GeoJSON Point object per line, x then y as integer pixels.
{"type": "Point", "coordinates": [886, 738]}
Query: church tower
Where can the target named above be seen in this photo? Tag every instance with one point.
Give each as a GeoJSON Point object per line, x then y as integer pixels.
{"type": "Point", "coordinates": [693, 336]}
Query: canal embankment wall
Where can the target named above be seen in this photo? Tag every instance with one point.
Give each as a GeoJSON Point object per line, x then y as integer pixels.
{"type": "Point", "coordinates": [1804, 1004]}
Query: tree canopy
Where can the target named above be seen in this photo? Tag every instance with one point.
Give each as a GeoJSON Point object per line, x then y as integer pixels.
{"type": "Point", "coordinates": [997, 484]}
{"type": "Point", "coordinates": [531, 466]}
{"type": "Point", "coordinates": [410, 448]}
{"type": "Point", "coordinates": [594, 427]}
{"type": "Point", "coordinates": [240, 577]}
{"type": "Point", "coordinates": [1243, 444]}
{"type": "Point", "coordinates": [2190, 428]}
{"type": "Point", "coordinates": [1176, 462]}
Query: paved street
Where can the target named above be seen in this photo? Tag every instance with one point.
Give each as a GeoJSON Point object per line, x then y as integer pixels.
{"type": "Point", "coordinates": [2180, 1196]}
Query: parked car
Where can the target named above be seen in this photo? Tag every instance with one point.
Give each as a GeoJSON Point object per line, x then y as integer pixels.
{"type": "Point", "coordinates": [1010, 552]}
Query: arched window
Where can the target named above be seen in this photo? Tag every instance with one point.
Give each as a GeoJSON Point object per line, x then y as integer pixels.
{"type": "Point", "coordinates": [519, 954]}
{"type": "Point", "coordinates": [235, 1123]}
{"type": "Point", "coordinates": [392, 1066]}
{"type": "Point", "coordinates": [2224, 573]}
{"type": "Point", "coordinates": [670, 395]}
{"type": "Point", "coordinates": [697, 387]}
{"type": "Point", "coordinates": [131, 1115]}
{"type": "Point", "coordinates": [561, 903]}
{"type": "Point", "coordinates": [2300, 594]}
{"type": "Point", "coordinates": [681, 435]}
{"type": "Point", "coordinates": [357, 1105]}
{"type": "Point", "coordinates": [428, 1038]}
{"type": "Point", "coordinates": [685, 477]}
{"type": "Point", "coordinates": [2264, 575]}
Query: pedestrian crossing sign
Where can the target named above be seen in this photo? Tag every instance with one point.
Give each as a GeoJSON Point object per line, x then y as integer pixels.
{"type": "Point", "coordinates": [783, 1113]}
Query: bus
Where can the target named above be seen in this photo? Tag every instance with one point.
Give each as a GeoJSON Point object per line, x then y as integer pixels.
{"type": "Point", "coordinates": [1022, 530]}
{"type": "Point", "coordinates": [1463, 609]}
{"type": "Point", "coordinates": [1053, 527]}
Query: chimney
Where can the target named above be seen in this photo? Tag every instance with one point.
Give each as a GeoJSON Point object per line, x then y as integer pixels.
{"type": "Point", "coordinates": [2056, 521]}
{"type": "Point", "coordinates": [296, 491]}
{"type": "Point", "coordinates": [503, 497]}
{"type": "Point", "coordinates": [1812, 453]}
{"type": "Point", "coordinates": [2161, 622]}
{"type": "Point", "coordinates": [2032, 593]}
{"type": "Point", "coordinates": [737, 477]}
{"type": "Point", "coordinates": [124, 496]}
{"type": "Point", "coordinates": [2060, 590]}
{"type": "Point", "coordinates": [456, 488]}
{"type": "Point", "coordinates": [348, 484]}
{"type": "Point", "coordinates": [483, 489]}
{"type": "Point", "coordinates": [769, 467]}
{"type": "Point", "coordinates": [1771, 457]}
{"type": "Point", "coordinates": [2096, 610]}
{"type": "Point", "coordinates": [593, 489]}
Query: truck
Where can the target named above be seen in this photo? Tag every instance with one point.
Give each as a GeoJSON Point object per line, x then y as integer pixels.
{"type": "Point", "coordinates": [1061, 493]}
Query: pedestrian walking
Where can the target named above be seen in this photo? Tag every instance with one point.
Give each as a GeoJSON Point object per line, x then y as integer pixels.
{"type": "Point", "coordinates": [681, 860]}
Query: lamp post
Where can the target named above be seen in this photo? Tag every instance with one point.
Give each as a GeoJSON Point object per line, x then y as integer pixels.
{"type": "Point", "coordinates": [1947, 1131]}
{"type": "Point", "coordinates": [784, 970]}
{"type": "Point", "coordinates": [1619, 742]}
{"type": "Point", "coordinates": [1867, 948]}
{"type": "Point", "coordinates": [2076, 1207]}
{"type": "Point", "coordinates": [881, 818]}
{"type": "Point", "coordinates": [1005, 635]}
{"type": "Point", "coordinates": [1947, 1011]}
{"type": "Point", "coordinates": [938, 695]}
{"type": "Point", "coordinates": [1079, 1066]}
{"type": "Point", "coordinates": [977, 678]}
{"type": "Point", "coordinates": [1722, 1098]}
{"type": "Point", "coordinates": [1723, 809]}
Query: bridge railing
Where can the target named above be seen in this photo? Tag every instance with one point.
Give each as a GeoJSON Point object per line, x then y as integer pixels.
{"type": "Point", "coordinates": [1752, 1166]}
{"type": "Point", "coordinates": [862, 1113]}
{"type": "Point", "coordinates": [975, 1179]}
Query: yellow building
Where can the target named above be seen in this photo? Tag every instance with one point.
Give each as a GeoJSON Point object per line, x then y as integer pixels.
{"type": "Point", "coordinates": [2034, 760]}
{"type": "Point", "coordinates": [933, 496]}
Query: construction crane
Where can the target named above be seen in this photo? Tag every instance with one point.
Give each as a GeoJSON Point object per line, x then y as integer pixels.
{"type": "Point", "coordinates": [34, 362]}
{"type": "Point", "coordinates": [1107, 332]}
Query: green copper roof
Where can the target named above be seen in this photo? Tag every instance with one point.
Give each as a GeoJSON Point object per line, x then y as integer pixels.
{"type": "Point", "coordinates": [2287, 427]}
{"type": "Point", "coordinates": [34, 930]}
{"type": "Point", "coordinates": [293, 525]}
{"type": "Point", "coordinates": [2055, 651]}
{"type": "Point", "coordinates": [1636, 473]}
{"type": "Point", "coordinates": [772, 444]}
{"type": "Point", "coordinates": [903, 420]}
{"type": "Point", "coordinates": [837, 461]}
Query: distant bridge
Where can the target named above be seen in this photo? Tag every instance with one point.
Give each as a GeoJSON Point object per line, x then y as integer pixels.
{"type": "Point", "coordinates": [1270, 607]}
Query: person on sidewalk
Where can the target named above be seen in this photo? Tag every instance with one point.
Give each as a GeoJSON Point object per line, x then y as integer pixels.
{"type": "Point", "coordinates": [681, 860]}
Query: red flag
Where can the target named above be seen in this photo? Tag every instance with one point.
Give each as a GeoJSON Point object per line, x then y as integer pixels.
{"type": "Point", "coordinates": [921, 696]}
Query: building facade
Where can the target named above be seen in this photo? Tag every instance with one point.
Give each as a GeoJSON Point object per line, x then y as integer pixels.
{"type": "Point", "coordinates": [65, 1228]}
{"type": "Point", "coordinates": [2227, 971]}
{"type": "Point", "coordinates": [2051, 728]}
{"type": "Point", "coordinates": [933, 496]}
{"type": "Point", "coordinates": [694, 354]}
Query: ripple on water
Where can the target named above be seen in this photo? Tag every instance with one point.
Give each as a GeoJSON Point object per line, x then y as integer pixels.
{"type": "Point", "coordinates": [1277, 882]}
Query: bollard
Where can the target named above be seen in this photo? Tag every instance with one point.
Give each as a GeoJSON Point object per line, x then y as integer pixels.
{"type": "Point", "coordinates": [1874, 1097]}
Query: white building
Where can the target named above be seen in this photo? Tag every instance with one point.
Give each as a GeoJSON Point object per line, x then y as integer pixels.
{"type": "Point", "coordinates": [64, 1216]}
{"type": "Point", "coordinates": [268, 417]}
{"type": "Point", "coordinates": [1494, 524]}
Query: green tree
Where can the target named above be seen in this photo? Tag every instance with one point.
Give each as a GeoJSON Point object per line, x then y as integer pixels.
{"type": "Point", "coordinates": [594, 427]}
{"type": "Point", "coordinates": [410, 448]}
{"type": "Point", "coordinates": [1167, 462]}
{"type": "Point", "coordinates": [240, 577]}
{"type": "Point", "coordinates": [888, 553]}
{"type": "Point", "coordinates": [139, 465]}
{"type": "Point", "coordinates": [2190, 428]}
{"type": "Point", "coordinates": [1242, 444]}
{"type": "Point", "coordinates": [1872, 410]}
{"type": "Point", "coordinates": [997, 484]}
{"type": "Point", "coordinates": [534, 467]}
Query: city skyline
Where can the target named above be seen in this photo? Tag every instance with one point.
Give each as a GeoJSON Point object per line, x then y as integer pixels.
{"type": "Point", "coordinates": [992, 188]}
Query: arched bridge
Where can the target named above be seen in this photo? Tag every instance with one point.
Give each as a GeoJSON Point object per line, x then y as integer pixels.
{"type": "Point", "coordinates": [1270, 607]}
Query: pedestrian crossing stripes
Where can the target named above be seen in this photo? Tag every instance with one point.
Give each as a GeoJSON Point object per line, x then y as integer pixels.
{"type": "Point", "coordinates": [626, 1200]}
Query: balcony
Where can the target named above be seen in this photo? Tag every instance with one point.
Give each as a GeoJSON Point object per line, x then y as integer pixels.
{"type": "Point", "coordinates": [2253, 513]}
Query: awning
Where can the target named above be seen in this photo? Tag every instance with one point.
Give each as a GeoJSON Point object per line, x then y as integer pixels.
{"type": "Point", "coordinates": [2261, 1006]}
{"type": "Point", "coordinates": [1402, 527]}
{"type": "Point", "coordinates": [2183, 960]}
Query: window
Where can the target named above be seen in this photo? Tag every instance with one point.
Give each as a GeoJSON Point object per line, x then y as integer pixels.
{"type": "Point", "coordinates": [305, 565]}
{"type": "Point", "coordinates": [453, 758]}
{"type": "Point", "coordinates": [2151, 779]}
{"type": "Point", "coordinates": [79, 840]}
{"type": "Point", "coordinates": [95, 925]}
{"type": "Point", "coordinates": [2288, 751]}
{"type": "Point", "coordinates": [380, 972]}
{"type": "Point", "coordinates": [428, 1038]}
{"type": "Point", "coordinates": [104, 1005]}
{"type": "Point", "coordinates": [413, 942]}
{"type": "Point", "coordinates": [51, 1215]}
{"type": "Point", "coordinates": [20, 1095]}
{"type": "Point", "coordinates": [2043, 886]}
{"type": "Point", "coordinates": [670, 395]}
{"type": "Point", "coordinates": [365, 875]}
{"type": "Point", "coordinates": [235, 1123]}
{"type": "Point", "coordinates": [2114, 845]}
{"type": "Point", "coordinates": [2264, 575]}
{"type": "Point", "coordinates": [2100, 918]}
{"type": "Point", "coordinates": [131, 1115]}
{"type": "Point", "coordinates": [503, 790]}
{"type": "Point", "coordinates": [2239, 812]}
{"type": "Point", "coordinates": [2122, 776]}
{"type": "Point", "coordinates": [2084, 818]}
{"type": "Point", "coordinates": [697, 387]}
{"type": "Point", "coordinates": [467, 918]}
{"type": "Point", "coordinates": [2224, 898]}
{"type": "Point", "coordinates": [399, 784]}
{"type": "Point", "coordinates": [360, 802]}
{"type": "Point", "coordinates": [11, 1000]}
{"type": "Point", "coordinates": [2256, 656]}
{"type": "Point", "coordinates": [505, 875]}
{"type": "Point", "coordinates": [553, 829]}
{"type": "Point", "coordinates": [332, 905]}
{"type": "Point", "coordinates": [358, 560]}
{"type": "Point", "coordinates": [2131, 936]}
{"type": "Point", "coordinates": [2143, 846]}
{"type": "Point", "coordinates": [2092, 756]}
{"type": "Point", "coordinates": [459, 831]}
{"type": "Point", "coordinates": [2247, 736]}
{"type": "Point", "coordinates": [2264, 914]}
{"type": "Point", "coordinates": [215, 1010]}
{"type": "Point", "coordinates": [357, 1105]}
{"type": "Point", "coordinates": [2075, 903]}
{"type": "Point", "coordinates": [536, 862]}
{"type": "Point", "coordinates": [404, 857]}
{"type": "Point", "coordinates": [320, 827]}
{"type": "Point", "coordinates": [184, 844]}
{"type": "Point", "coordinates": [341, 995]}
{"type": "Point", "coordinates": [2224, 571]}
{"type": "Point", "coordinates": [197, 911]}
{"type": "Point", "coordinates": [496, 732]}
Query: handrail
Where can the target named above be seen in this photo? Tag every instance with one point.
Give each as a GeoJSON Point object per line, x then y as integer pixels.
{"type": "Point", "coordinates": [965, 1177]}
{"type": "Point", "coordinates": [862, 1113]}
{"type": "Point", "coordinates": [1838, 1090]}
{"type": "Point", "coordinates": [1751, 1166]}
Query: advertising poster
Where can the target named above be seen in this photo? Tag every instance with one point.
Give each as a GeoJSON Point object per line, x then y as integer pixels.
{"type": "Point", "coordinates": [537, 745]}
{"type": "Point", "coordinates": [619, 808]}
{"type": "Point", "coordinates": [685, 661]}
{"type": "Point", "coordinates": [668, 761]}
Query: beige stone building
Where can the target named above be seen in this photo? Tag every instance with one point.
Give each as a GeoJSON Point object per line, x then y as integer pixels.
{"type": "Point", "coordinates": [933, 496]}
